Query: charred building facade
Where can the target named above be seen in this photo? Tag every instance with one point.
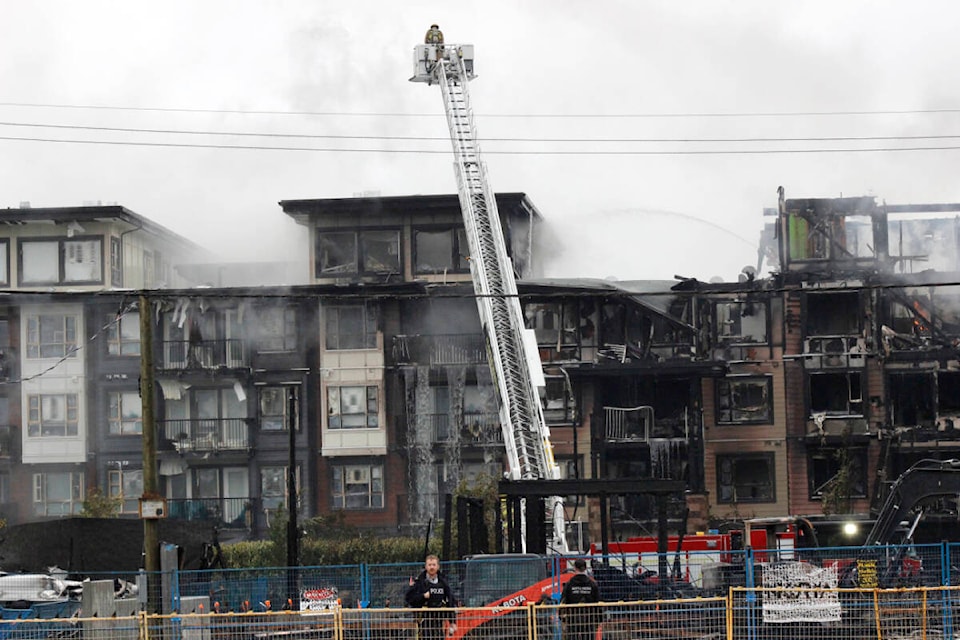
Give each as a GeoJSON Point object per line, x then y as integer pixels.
{"type": "Point", "coordinates": [799, 393]}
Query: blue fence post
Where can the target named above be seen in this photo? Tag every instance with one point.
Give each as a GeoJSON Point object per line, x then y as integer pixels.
{"type": "Point", "coordinates": [946, 595]}
{"type": "Point", "coordinates": [751, 599]}
{"type": "Point", "coordinates": [365, 588]}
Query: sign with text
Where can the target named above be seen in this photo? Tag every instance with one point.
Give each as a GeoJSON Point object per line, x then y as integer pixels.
{"type": "Point", "coordinates": [802, 593]}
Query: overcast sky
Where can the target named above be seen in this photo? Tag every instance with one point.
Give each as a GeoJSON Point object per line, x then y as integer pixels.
{"type": "Point", "coordinates": [211, 65]}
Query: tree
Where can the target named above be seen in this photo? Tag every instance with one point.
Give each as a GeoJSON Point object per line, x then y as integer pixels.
{"type": "Point", "coordinates": [100, 505]}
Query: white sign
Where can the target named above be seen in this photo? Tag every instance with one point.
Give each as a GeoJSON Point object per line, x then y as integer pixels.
{"type": "Point", "coordinates": [805, 593]}
{"type": "Point", "coordinates": [319, 599]}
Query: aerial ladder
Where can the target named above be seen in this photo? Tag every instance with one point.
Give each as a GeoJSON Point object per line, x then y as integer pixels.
{"type": "Point", "coordinates": [511, 348]}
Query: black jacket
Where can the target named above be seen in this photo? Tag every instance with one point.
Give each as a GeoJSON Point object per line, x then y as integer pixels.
{"type": "Point", "coordinates": [441, 595]}
{"type": "Point", "coordinates": [581, 588]}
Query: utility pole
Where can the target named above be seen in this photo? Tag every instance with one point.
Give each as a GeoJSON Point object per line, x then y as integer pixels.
{"type": "Point", "coordinates": [151, 525]}
{"type": "Point", "coordinates": [293, 534]}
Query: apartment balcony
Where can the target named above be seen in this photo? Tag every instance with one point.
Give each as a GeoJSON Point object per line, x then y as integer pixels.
{"type": "Point", "coordinates": [206, 434]}
{"type": "Point", "coordinates": [437, 350]}
{"type": "Point", "coordinates": [478, 428]}
{"type": "Point", "coordinates": [181, 355]}
{"type": "Point", "coordinates": [834, 352]}
{"type": "Point", "coordinates": [638, 424]}
{"type": "Point", "coordinates": [225, 512]}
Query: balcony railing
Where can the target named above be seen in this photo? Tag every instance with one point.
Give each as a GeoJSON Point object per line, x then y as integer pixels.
{"type": "Point", "coordinates": [628, 424]}
{"type": "Point", "coordinates": [444, 349]}
{"type": "Point", "coordinates": [478, 428]}
{"type": "Point", "coordinates": [204, 354]}
{"type": "Point", "coordinates": [228, 512]}
{"type": "Point", "coordinates": [206, 434]}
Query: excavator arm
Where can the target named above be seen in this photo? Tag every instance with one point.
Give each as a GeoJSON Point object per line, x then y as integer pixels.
{"type": "Point", "coordinates": [925, 479]}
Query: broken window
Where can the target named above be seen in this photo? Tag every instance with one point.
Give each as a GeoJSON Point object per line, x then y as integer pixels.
{"type": "Point", "coordinates": [841, 471]}
{"type": "Point", "coordinates": [52, 415]}
{"type": "Point", "coordinates": [948, 391]}
{"type": "Point", "coordinates": [438, 251]}
{"type": "Point", "coordinates": [125, 414]}
{"type": "Point", "coordinates": [353, 408]}
{"type": "Point", "coordinates": [559, 406]}
{"type": "Point", "coordinates": [911, 398]}
{"type": "Point", "coordinates": [357, 486]}
{"type": "Point", "coordinates": [556, 325]}
{"type": "Point", "coordinates": [747, 477]}
{"type": "Point", "coordinates": [274, 402]}
{"type": "Point", "coordinates": [336, 253]}
{"type": "Point", "coordinates": [380, 250]}
{"type": "Point", "coordinates": [351, 327]}
{"type": "Point", "coordinates": [127, 485]}
{"type": "Point", "coordinates": [739, 322]}
{"type": "Point", "coordinates": [273, 487]}
{"type": "Point", "coordinates": [57, 493]}
{"type": "Point", "coordinates": [836, 394]}
{"type": "Point", "coordinates": [745, 400]}
{"type": "Point", "coordinates": [833, 314]}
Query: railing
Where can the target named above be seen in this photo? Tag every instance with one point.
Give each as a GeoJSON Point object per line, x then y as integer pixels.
{"type": "Point", "coordinates": [204, 354]}
{"type": "Point", "coordinates": [478, 428]}
{"type": "Point", "coordinates": [206, 434]}
{"type": "Point", "coordinates": [228, 512]}
{"type": "Point", "coordinates": [446, 349]}
{"type": "Point", "coordinates": [630, 424]}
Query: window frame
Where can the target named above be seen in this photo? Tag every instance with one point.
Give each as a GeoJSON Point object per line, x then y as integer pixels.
{"type": "Point", "coordinates": [358, 266]}
{"type": "Point", "coordinates": [5, 262]}
{"type": "Point", "coordinates": [286, 390]}
{"type": "Point", "coordinates": [41, 491]}
{"type": "Point", "coordinates": [724, 322]}
{"type": "Point", "coordinates": [35, 420]}
{"type": "Point", "coordinates": [61, 244]}
{"type": "Point", "coordinates": [287, 337]}
{"type": "Point", "coordinates": [818, 453]}
{"type": "Point", "coordinates": [35, 330]}
{"type": "Point", "coordinates": [117, 345]}
{"type": "Point", "coordinates": [848, 374]}
{"type": "Point", "coordinates": [369, 415]}
{"type": "Point", "coordinates": [745, 458]}
{"type": "Point", "coordinates": [117, 481]}
{"type": "Point", "coordinates": [750, 379]}
{"type": "Point", "coordinates": [459, 262]}
{"type": "Point", "coordinates": [370, 324]}
{"type": "Point", "coordinates": [339, 494]}
{"type": "Point", "coordinates": [273, 496]}
{"type": "Point", "coordinates": [119, 420]}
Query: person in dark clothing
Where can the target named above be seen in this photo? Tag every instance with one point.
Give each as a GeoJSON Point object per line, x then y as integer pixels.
{"type": "Point", "coordinates": [580, 622]}
{"type": "Point", "coordinates": [430, 590]}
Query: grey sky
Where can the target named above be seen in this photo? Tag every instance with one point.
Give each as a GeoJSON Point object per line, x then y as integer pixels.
{"type": "Point", "coordinates": [607, 215]}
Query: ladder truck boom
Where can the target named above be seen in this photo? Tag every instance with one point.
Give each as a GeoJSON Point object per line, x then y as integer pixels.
{"type": "Point", "coordinates": [511, 348]}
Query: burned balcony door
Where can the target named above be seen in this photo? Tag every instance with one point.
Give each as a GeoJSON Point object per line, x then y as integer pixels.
{"type": "Point", "coordinates": [911, 399]}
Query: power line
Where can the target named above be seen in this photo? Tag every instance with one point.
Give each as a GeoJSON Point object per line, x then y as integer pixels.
{"type": "Point", "coordinates": [486, 139]}
{"type": "Point", "coordinates": [379, 114]}
{"type": "Point", "coordinates": [697, 152]}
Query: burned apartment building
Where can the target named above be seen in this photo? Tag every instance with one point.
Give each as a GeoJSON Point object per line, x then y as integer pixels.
{"type": "Point", "coordinates": [870, 345]}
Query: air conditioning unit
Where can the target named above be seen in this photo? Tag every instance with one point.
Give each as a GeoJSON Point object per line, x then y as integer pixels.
{"type": "Point", "coordinates": [358, 475]}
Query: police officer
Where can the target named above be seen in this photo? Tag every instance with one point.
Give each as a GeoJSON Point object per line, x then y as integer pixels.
{"type": "Point", "coordinates": [430, 590]}
{"type": "Point", "coordinates": [580, 622]}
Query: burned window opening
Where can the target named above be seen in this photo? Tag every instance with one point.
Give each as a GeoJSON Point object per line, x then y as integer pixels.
{"type": "Point", "coordinates": [557, 327]}
{"type": "Point", "coordinates": [948, 391]}
{"type": "Point", "coordinates": [745, 400]}
{"type": "Point", "coordinates": [741, 322]}
{"type": "Point", "coordinates": [745, 477]}
{"type": "Point", "coordinates": [841, 470]}
{"type": "Point", "coordinates": [836, 393]}
{"type": "Point", "coordinates": [833, 314]}
{"type": "Point", "coordinates": [369, 251]}
{"type": "Point", "coordinates": [440, 251]}
{"type": "Point", "coordinates": [911, 399]}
